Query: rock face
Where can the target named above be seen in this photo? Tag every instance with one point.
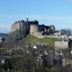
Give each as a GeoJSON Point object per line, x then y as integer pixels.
{"type": "Point", "coordinates": [33, 28]}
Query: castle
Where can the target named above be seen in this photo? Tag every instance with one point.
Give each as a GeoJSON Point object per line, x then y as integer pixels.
{"type": "Point", "coordinates": [32, 27]}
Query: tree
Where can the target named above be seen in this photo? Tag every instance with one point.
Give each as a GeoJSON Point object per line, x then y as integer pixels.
{"type": "Point", "coordinates": [66, 32]}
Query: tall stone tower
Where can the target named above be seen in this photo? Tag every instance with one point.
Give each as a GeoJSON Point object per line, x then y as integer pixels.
{"type": "Point", "coordinates": [33, 27]}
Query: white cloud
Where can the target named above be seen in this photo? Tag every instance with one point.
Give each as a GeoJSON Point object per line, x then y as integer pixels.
{"type": "Point", "coordinates": [42, 17]}
{"type": "Point", "coordinates": [35, 16]}
{"type": "Point", "coordinates": [4, 28]}
{"type": "Point", "coordinates": [4, 25]}
{"type": "Point", "coordinates": [47, 17]}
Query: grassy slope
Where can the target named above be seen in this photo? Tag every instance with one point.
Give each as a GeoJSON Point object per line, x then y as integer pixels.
{"type": "Point", "coordinates": [33, 39]}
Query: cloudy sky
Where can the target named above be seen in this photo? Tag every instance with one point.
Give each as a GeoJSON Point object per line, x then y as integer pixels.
{"type": "Point", "coordinates": [48, 12]}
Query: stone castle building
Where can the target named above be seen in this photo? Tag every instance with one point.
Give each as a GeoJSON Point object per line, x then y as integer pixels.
{"type": "Point", "coordinates": [32, 27]}
{"type": "Point", "coordinates": [20, 26]}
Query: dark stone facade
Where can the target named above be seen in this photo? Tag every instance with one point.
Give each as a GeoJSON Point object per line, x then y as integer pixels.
{"type": "Point", "coordinates": [46, 30]}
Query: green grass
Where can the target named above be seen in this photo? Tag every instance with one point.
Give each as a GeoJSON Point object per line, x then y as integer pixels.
{"type": "Point", "coordinates": [47, 40]}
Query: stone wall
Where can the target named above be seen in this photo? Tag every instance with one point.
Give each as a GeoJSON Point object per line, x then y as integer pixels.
{"type": "Point", "coordinates": [61, 44]}
{"type": "Point", "coordinates": [33, 29]}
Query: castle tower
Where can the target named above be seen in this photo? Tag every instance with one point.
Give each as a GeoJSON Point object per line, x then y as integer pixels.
{"type": "Point", "coordinates": [33, 27]}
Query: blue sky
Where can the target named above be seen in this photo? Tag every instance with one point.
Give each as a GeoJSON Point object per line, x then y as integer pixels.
{"type": "Point", "coordinates": [48, 12]}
